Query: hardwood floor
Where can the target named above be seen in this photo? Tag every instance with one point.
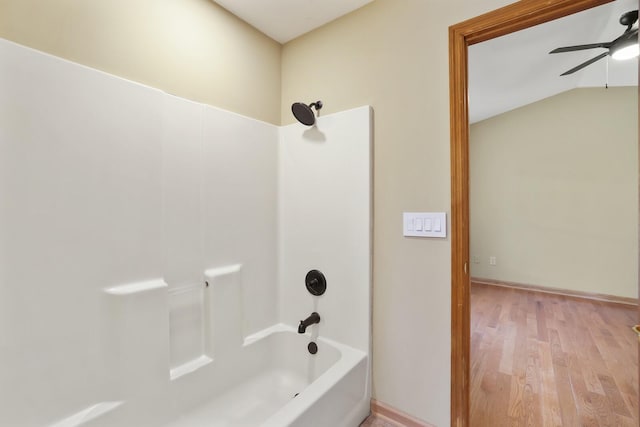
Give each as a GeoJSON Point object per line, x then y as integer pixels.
{"type": "Point", "coordinates": [548, 360]}
{"type": "Point", "coordinates": [374, 421]}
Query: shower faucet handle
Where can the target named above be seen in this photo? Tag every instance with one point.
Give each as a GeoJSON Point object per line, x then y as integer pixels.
{"type": "Point", "coordinates": [315, 282]}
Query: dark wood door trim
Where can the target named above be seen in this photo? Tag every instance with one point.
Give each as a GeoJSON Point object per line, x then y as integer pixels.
{"type": "Point", "coordinates": [515, 17]}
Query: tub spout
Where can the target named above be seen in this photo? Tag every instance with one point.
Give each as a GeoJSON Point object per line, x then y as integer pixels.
{"type": "Point", "coordinates": [314, 318]}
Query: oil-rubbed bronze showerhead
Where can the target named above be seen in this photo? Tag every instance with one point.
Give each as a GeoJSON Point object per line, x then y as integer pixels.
{"type": "Point", "coordinates": [304, 113]}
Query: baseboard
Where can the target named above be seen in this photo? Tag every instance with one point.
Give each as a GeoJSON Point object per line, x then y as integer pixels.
{"type": "Point", "coordinates": [391, 414]}
{"type": "Point", "coordinates": [612, 299]}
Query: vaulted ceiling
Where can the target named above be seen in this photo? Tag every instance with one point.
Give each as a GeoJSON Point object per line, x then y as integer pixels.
{"type": "Point", "coordinates": [504, 73]}
{"type": "Point", "coordinates": [284, 20]}
{"type": "Point", "coordinates": [515, 70]}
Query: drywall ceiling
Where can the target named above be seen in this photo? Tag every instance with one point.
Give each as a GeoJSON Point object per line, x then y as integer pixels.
{"type": "Point", "coordinates": [504, 73]}
{"type": "Point", "coordinates": [284, 20]}
{"type": "Point", "coordinates": [515, 70]}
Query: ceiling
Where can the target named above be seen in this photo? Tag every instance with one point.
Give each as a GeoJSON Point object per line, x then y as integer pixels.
{"type": "Point", "coordinates": [515, 70]}
{"type": "Point", "coordinates": [284, 20]}
{"type": "Point", "coordinates": [504, 73]}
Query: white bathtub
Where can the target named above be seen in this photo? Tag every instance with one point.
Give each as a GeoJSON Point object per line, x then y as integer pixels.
{"type": "Point", "coordinates": [272, 382]}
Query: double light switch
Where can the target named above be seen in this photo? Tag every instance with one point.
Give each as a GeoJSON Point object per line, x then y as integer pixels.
{"type": "Point", "coordinates": [425, 224]}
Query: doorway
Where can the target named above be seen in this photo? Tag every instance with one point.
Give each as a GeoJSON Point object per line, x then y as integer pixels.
{"type": "Point", "coordinates": [503, 21]}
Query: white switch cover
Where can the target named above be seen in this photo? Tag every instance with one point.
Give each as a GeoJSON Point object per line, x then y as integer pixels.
{"type": "Point", "coordinates": [431, 224]}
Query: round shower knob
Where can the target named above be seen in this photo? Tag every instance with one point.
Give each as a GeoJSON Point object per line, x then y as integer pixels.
{"type": "Point", "coordinates": [315, 282]}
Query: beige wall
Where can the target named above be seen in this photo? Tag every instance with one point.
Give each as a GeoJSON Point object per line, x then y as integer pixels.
{"type": "Point", "coordinates": [393, 55]}
{"type": "Point", "coordinates": [554, 193]}
{"type": "Point", "coordinates": [190, 48]}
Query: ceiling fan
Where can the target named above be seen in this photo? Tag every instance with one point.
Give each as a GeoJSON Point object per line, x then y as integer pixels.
{"type": "Point", "coordinates": [624, 47]}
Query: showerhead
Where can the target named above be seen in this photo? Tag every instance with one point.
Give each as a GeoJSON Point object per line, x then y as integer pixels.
{"type": "Point", "coordinates": [304, 113]}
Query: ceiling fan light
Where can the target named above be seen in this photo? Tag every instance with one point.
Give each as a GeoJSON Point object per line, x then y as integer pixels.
{"type": "Point", "coordinates": [626, 52]}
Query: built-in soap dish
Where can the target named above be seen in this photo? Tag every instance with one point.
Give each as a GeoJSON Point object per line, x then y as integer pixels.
{"type": "Point", "coordinates": [88, 414]}
{"type": "Point", "coordinates": [136, 287]}
{"type": "Point", "coordinates": [189, 367]}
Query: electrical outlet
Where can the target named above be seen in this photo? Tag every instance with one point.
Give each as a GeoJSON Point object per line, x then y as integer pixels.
{"type": "Point", "coordinates": [492, 260]}
{"type": "Point", "coordinates": [476, 260]}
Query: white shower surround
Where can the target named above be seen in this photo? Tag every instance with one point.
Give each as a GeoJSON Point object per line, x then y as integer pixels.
{"type": "Point", "coordinates": [118, 201]}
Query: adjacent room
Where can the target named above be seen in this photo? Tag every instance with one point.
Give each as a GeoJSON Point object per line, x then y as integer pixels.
{"type": "Point", "coordinates": [554, 214]}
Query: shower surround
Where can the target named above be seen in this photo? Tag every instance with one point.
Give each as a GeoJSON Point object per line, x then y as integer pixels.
{"type": "Point", "coordinates": [154, 251]}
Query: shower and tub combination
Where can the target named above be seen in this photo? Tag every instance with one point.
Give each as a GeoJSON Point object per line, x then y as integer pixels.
{"type": "Point", "coordinates": [168, 263]}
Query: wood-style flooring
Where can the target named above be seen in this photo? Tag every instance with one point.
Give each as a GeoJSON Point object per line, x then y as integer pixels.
{"type": "Point", "coordinates": [374, 421]}
{"type": "Point", "coordinates": [539, 359]}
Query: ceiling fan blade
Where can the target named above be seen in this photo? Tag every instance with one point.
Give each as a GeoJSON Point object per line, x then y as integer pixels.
{"type": "Point", "coordinates": [630, 36]}
{"type": "Point", "coordinates": [580, 47]}
{"type": "Point", "coordinates": [584, 64]}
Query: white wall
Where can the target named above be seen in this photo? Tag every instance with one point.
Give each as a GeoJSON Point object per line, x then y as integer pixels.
{"type": "Point", "coordinates": [119, 201]}
{"type": "Point", "coordinates": [80, 210]}
{"type": "Point", "coordinates": [325, 223]}
{"type": "Point", "coordinates": [105, 182]}
{"type": "Point", "coordinates": [553, 193]}
{"type": "Point", "coordinates": [219, 209]}
{"type": "Point", "coordinates": [241, 157]}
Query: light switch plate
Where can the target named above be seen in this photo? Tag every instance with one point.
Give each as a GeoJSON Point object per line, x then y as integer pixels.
{"type": "Point", "coordinates": [437, 224]}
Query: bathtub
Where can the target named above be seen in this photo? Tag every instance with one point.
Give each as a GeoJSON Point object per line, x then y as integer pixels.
{"type": "Point", "coordinates": [273, 381]}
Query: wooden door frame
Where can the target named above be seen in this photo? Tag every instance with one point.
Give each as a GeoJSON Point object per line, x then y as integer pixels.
{"type": "Point", "coordinates": [509, 19]}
